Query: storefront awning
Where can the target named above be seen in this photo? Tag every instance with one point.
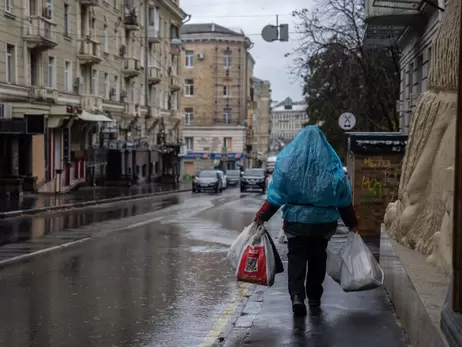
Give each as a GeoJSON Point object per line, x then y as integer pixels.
{"type": "Point", "coordinates": [89, 117]}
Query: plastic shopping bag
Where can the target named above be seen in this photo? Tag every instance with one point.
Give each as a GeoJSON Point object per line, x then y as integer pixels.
{"type": "Point", "coordinates": [360, 271]}
{"type": "Point", "coordinates": [257, 262]}
{"type": "Point", "coordinates": [235, 251]}
{"type": "Point", "coordinates": [334, 264]}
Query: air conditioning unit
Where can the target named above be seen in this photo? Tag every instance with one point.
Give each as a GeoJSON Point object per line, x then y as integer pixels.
{"type": "Point", "coordinates": [123, 94]}
{"type": "Point", "coordinates": [200, 56]}
{"type": "Point", "coordinates": [123, 50]}
{"type": "Point", "coordinates": [6, 111]}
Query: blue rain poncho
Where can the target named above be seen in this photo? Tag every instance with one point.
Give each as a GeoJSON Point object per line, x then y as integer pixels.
{"type": "Point", "coordinates": [309, 181]}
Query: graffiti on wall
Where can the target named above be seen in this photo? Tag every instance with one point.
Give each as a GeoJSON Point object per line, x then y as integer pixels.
{"type": "Point", "coordinates": [382, 185]}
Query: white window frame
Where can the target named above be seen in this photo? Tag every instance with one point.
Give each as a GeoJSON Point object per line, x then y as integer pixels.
{"type": "Point", "coordinates": [68, 76]}
{"type": "Point", "coordinates": [227, 115]}
{"type": "Point", "coordinates": [67, 19]}
{"type": "Point", "coordinates": [142, 95]}
{"type": "Point", "coordinates": [52, 68]}
{"type": "Point", "coordinates": [133, 93]}
{"type": "Point", "coordinates": [117, 87]}
{"type": "Point", "coordinates": [188, 116]}
{"type": "Point", "coordinates": [94, 82]}
{"type": "Point", "coordinates": [189, 140]}
{"type": "Point", "coordinates": [228, 59]}
{"type": "Point", "coordinates": [106, 86]}
{"type": "Point", "coordinates": [50, 4]}
{"type": "Point", "coordinates": [189, 59]}
{"type": "Point", "coordinates": [188, 87]}
{"type": "Point", "coordinates": [106, 38]}
{"type": "Point", "coordinates": [8, 6]}
{"type": "Point", "coordinates": [225, 91]}
{"type": "Point", "coordinates": [10, 79]}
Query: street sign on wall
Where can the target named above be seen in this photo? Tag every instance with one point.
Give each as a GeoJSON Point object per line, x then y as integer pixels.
{"type": "Point", "coordinates": [347, 121]}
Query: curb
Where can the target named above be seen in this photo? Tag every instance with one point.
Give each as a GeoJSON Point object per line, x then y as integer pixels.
{"type": "Point", "coordinates": [38, 210]}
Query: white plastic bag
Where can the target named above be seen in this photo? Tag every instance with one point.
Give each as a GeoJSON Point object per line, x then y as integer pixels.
{"type": "Point", "coordinates": [334, 264]}
{"type": "Point", "coordinates": [360, 271]}
{"type": "Point", "coordinates": [235, 251]}
{"type": "Point", "coordinates": [252, 256]}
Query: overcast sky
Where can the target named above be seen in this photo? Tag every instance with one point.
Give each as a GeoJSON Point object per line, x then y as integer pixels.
{"type": "Point", "coordinates": [252, 16]}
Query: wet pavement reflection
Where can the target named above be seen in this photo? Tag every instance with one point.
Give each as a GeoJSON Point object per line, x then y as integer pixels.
{"type": "Point", "coordinates": [154, 285]}
{"type": "Point", "coordinates": [30, 227]}
{"type": "Point", "coordinates": [31, 201]}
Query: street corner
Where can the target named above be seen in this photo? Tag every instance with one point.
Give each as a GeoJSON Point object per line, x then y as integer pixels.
{"type": "Point", "coordinates": [237, 317]}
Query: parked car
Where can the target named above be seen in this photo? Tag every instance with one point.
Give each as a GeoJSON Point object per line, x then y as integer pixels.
{"type": "Point", "coordinates": [253, 179]}
{"type": "Point", "coordinates": [207, 180]}
{"type": "Point", "coordinates": [234, 177]}
{"type": "Point", "coordinates": [224, 180]}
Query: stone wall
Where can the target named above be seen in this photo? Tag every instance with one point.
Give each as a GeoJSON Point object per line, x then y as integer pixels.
{"type": "Point", "coordinates": [421, 217]}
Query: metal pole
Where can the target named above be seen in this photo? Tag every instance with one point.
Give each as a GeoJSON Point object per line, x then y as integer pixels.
{"type": "Point", "coordinates": [457, 207]}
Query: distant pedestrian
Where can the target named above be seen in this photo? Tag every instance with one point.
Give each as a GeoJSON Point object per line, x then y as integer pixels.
{"type": "Point", "coordinates": [309, 181]}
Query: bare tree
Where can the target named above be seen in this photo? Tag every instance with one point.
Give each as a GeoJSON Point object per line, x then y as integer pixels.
{"type": "Point", "coordinates": [340, 73]}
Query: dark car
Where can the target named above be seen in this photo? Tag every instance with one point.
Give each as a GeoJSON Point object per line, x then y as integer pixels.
{"type": "Point", "coordinates": [207, 180]}
{"type": "Point", "coordinates": [234, 177]}
{"type": "Point", "coordinates": [253, 179]}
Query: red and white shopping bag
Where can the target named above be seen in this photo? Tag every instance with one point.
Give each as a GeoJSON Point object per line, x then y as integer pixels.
{"type": "Point", "coordinates": [257, 264]}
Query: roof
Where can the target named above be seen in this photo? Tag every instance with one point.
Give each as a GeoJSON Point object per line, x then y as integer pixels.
{"type": "Point", "coordinates": [204, 28]}
{"type": "Point", "coordinates": [260, 81]}
{"type": "Point", "coordinates": [297, 106]}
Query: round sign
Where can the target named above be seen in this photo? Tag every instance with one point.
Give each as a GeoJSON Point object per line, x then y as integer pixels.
{"type": "Point", "coordinates": [347, 121]}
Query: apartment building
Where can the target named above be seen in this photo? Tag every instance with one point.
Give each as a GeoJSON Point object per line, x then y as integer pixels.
{"type": "Point", "coordinates": [411, 26]}
{"type": "Point", "coordinates": [215, 98]}
{"type": "Point", "coordinates": [287, 119]}
{"type": "Point", "coordinates": [78, 75]}
{"type": "Point", "coordinates": [261, 117]}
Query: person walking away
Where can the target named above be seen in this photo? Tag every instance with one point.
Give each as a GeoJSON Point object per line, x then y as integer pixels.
{"type": "Point", "coordinates": [310, 183]}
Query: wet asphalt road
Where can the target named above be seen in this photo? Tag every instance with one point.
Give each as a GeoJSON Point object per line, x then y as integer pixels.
{"type": "Point", "coordinates": [163, 281]}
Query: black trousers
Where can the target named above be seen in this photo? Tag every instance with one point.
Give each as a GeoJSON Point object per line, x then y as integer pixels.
{"type": "Point", "coordinates": [303, 250]}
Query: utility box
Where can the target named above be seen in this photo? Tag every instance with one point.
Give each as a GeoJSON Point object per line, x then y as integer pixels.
{"type": "Point", "coordinates": [374, 166]}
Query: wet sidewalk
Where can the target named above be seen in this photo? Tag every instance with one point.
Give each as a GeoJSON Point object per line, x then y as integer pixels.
{"type": "Point", "coordinates": [32, 202]}
{"type": "Point", "coordinates": [360, 319]}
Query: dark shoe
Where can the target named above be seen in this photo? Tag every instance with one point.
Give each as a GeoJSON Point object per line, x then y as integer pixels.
{"type": "Point", "coordinates": [314, 303]}
{"type": "Point", "coordinates": [298, 307]}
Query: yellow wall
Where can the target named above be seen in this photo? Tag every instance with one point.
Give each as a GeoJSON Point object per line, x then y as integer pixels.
{"type": "Point", "coordinates": [38, 158]}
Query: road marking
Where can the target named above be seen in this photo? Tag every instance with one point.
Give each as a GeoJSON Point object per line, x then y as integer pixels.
{"type": "Point", "coordinates": [223, 319]}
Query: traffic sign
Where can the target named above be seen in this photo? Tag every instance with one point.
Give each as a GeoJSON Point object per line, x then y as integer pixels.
{"type": "Point", "coordinates": [347, 121]}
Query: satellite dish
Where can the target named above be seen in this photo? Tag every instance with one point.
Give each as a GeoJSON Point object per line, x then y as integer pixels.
{"type": "Point", "coordinates": [270, 33]}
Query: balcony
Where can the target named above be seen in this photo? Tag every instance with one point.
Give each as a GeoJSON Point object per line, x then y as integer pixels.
{"type": "Point", "coordinates": [90, 2]}
{"type": "Point", "coordinates": [132, 67]}
{"type": "Point", "coordinates": [173, 8]}
{"type": "Point", "coordinates": [175, 115]}
{"type": "Point", "coordinates": [175, 83]}
{"type": "Point", "coordinates": [154, 76]}
{"type": "Point", "coordinates": [43, 94]}
{"type": "Point", "coordinates": [387, 20]}
{"type": "Point", "coordinates": [131, 21]}
{"type": "Point", "coordinates": [153, 35]}
{"type": "Point", "coordinates": [92, 103]}
{"type": "Point", "coordinates": [40, 33]}
{"type": "Point", "coordinates": [89, 52]}
{"type": "Point", "coordinates": [154, 112]}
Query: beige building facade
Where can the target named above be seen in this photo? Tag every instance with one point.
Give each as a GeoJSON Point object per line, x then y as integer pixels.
{"type": "Point", "coordinates": [82, 74]}
{"type": "Point", "coordinates": [214, 99]}
{"type": "Point", "coordinates": [261, 117]}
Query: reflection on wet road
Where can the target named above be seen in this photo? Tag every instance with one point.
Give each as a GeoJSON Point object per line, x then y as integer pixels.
{"type": "Point", "coordinates": [159, 284]}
